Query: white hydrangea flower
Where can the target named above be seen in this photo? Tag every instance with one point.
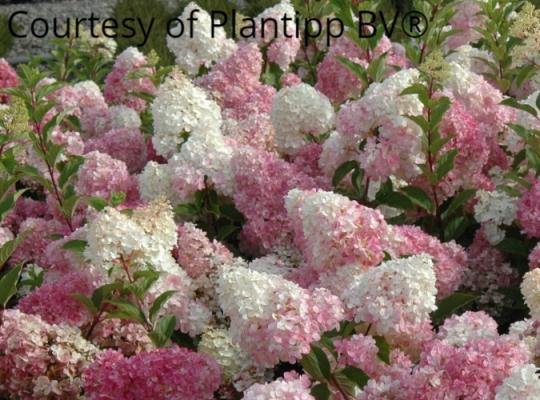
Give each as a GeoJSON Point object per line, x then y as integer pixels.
{"type": "Point", "coordinates": [530, 288]}
{"type": "Point", "coordinates": [396, 292]}
{"type": "Point", "coordinates": [495, 206]}
{"type": "Point", "coordinates": [124, 117]}
{"type": "Point", "coordinates": [270, 264]}
{"type": "Point", "coordinates": [460, 329]}
{"type": "Point", "coordinates": [154, 181]}
{"type": "Point", "coordinates": [217, 342]}
{"type": "Point", "coordinates": [278, 11]}
{"type": "Point", "coordinates": [211, 155]}
{"type": "Point", "coordinates": [494, 209]}
{"type": "Point", "coordinates": [526, 332]}
{"type": "Point", "coordinates": [522, 384]}
{"type": "Point", "coordinates": [192, 316]}
{"type": "Point", "coordinates": [385, 97]}
{"type": "Point", "coordinates": [524, 118]}
{"type": "Point", "coordinates": [200, 48]}
{"type": "Point", "coordinates": [131, 57]}
{"type": "Point", "coordinates": [5, 235]}
{"type": "Point", "coordinates": [147, 237]}
{"type": "Point", "coordinates": [157, 221]}
{"type": "Point", "coordinates": [468, 57]}
{"type": "Point", "coordinates": [181, 109]}
{"type": "Point", "coordinates": [246, 294]}
{"type": "Point", "coordinates": [297, 111]}
{"type": "Point", "coordinates": [112, 234]}
{"type": "Point", "coordinates": [89, 89]}
{"type": "Point", "coordinates": [336, 150]}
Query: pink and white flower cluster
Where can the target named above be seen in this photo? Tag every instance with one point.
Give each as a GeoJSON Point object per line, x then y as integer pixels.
{"type": "Point", "coordinates": [263, 221]}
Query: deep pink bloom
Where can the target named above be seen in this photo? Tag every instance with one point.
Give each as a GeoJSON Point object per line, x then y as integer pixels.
{"type": "Point", "coordinates": [173, 373]}
{"type": "Point", "coordinates": [8, 78]}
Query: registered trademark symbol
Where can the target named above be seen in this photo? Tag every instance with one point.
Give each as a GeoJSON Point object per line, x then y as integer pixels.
{"type": "Point", "coordinates": [414, 24]}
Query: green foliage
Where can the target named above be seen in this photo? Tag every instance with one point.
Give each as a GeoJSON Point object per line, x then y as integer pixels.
{"type": "Point", "coordinates": [450, 305]}
{"type": "Point", "coordinates": [146, 10]}
{"type": "Point", "coordinates": [8, 285]}
{"type": "Point", "coordinates": [126, 299]}
{"type": "Point", "coordinates": [7, 39]}
{"type": "Point", "coordinates": [214, 214]}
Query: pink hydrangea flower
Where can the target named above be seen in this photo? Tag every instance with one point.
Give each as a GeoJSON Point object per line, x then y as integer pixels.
{"type": "Point", "coordinates": [272, 318]}
{"type": "Point", "coordinates": [333, 231]}
{"type": "Point", "coordinates": [487, 267]}
{"type": "Point", "coordinates": [472, 371]}
{"type": "Point", "coordinates": [124, 144]}
{"type": "Point", "coordinates": [54, 301]}
{"type": "Point", "coordinates": [290, 79]}
{"type": "Point", "coordinates": [291, 387]}
{"type": "Point", "coordinates": [173, 373]}
{"type": "Point", "coordinates": [528, 213]}
{"type": "Point", "coordinates": [449, 258]}
{"type": "Point", "coordinates": [100, 175]}
{"type": "Point", "coordinates": [119, 86]}
{"type": "Point", "coordinates": [336, 81]}
{"type": "Point", "coordinates": [262, 181]}
{"type": "Point", "coordinates": [466, 19]}
{"type": "Point", "coordinates": [8, 78]}
{"type": "Point", "coordinates": [534, 257]}
{"type": "Point", "coordinates": [41, 361]}
{"type": "Point", "coordinates": [235, 83]}
{"type": "Point", "coordinates": [40, 230]}
{"type": "Point", "coordinates": [196, 254]}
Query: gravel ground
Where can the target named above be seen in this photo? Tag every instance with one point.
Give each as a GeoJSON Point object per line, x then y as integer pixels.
{"type": "Point", "coordinates": [61, 9]}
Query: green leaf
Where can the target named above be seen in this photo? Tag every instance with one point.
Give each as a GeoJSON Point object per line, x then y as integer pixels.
{"type": "Point", "coordinates": [420, 121]}
{"type": "Point", "coordinates": [225, 231]}
{"type": "Point", "coordinates": [8, 285]}
{"type": "Point", "coordinates": [322, 361]}
{"type": "Point", "coordinates": [438, 143]}
{"type": "Point", "coordinates": [163, 330]}
{"type": "Point", "coordinates": [96, 202]}
{"type": "Point", "coordinates": [311, 366]}
{"type": "Point", "coordinates": [342, 171]}
{"type": "Point", "coordinates": [186, 210]}
{"type": "Point", "coordinates": [534, 159]}
{"type": "Point", "coordinates": [9, 202]}
{"type": "Point", "coordinates": [384, 349]}
{"type": "Point", "coordinates": [377, 67]}
{"type": "Point", "coordinates": [418, 197]}
{"type": "Point", "coordinates": [356, 375]}
{"type": "Point", "coordinates": [449, 305]}
{"type": "Point", "coordinates": [456, 228]}
{"type": "Point", "coordinates": [104, 293]}
{"type": "Point", "coordinates": [511, 102]}
{"type": "Point", "coordinates": [538, 101]}
{"type": "Point", "coordinates": [143, 282]}
{"type": "Point", "coordinates": [158, 304]}
{"type": "Point", "coordinates": [77, 246]}
{"type": "Point", "coordinates": [445, 164]}
{"type": "Point", "coordinates": [398, 200]}
{"type": "Point", "coordinates": [126, 310]}
{"type": "Point", "coordinates": [10, 246]}
{"type": "Point", "coordinates": [355, 68]}
{"type": "Point", "coordinates": [68, 169]}
{"type": "Point", "coordinates": [438, 111]}
{"type": "Point", "coordinates": [321, 391]}
{"type": "Point", "coordinates": [457, 202]}
{"type": "Point", "coordinates": [117, 198]}
{"type": "Point", "coordinates": [513, 246]}
{"type": "Point", "coordinates": [420, 90]}
{"type": "Point", "coordinates": [345, 383]}
{"type": "Point", "coordinates": [86, 302]}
